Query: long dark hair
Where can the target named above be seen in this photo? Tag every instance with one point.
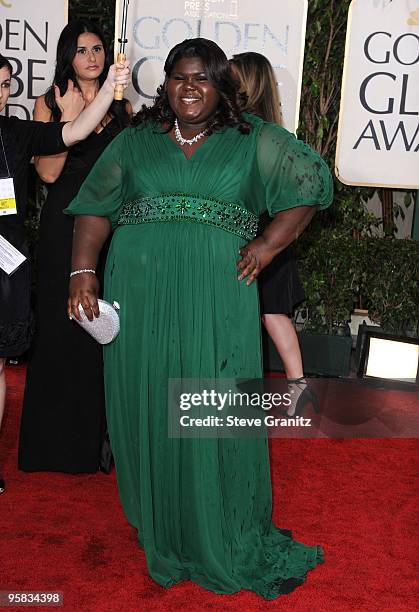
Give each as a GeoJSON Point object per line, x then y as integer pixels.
{"type": "Point", "coordinates": [4, 63]}
{"type": "Point", "coordinates": [66, 51]}
{"type": "Point", "coordinates": [219, 75]}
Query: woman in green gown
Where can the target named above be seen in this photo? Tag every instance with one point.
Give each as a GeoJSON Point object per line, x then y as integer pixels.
{"type": "Point", "coordinates": [183, 190]}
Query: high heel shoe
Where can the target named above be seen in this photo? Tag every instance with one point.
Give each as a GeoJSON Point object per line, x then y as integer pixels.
{"type": "Point", "coordinates": [2, 485]}
{"type": "Point", "coordinates": [306, 397]}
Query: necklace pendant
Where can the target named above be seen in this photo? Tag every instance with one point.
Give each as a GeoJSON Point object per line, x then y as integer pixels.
{"type": "Point", "coordinates": [190, 141]}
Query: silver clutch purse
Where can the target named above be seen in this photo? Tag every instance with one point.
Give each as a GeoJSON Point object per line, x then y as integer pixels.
{"type": "Point", "coordinates": [105, 327]}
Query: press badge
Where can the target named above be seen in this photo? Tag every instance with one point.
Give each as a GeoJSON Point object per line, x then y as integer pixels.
{"type": "Point", "coordinates": [7, 197]}
{"type": "Point", "coordinates": [10, 258]}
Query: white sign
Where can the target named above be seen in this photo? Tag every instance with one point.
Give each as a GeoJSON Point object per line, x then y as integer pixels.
{"type": "Point", "coordinates": [378, 136]}
{"type": "Point", "coordinates": [10, 258]}
{"type": "Point", "coordinates": [275, 28]}
{"type": "Point", "coordinates": [29, 32]}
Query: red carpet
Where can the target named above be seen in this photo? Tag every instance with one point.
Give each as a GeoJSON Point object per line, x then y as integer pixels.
{"type": "Point", "coordinates": [354, 497]}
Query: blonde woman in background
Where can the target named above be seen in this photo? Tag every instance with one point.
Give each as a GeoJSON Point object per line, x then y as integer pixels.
{"type": "Point", "coordinates": [280, 289]}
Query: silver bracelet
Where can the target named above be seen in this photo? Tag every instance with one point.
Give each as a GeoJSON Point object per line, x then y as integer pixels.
{"type": "Point", "coordinates": [81, 271]}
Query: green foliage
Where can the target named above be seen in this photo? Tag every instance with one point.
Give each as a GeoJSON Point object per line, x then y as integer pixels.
{"type": "Point", "coordinates": [101, 13]}
{"type": "Point", "coordinates": [336, 270]}
{"type": "Point", "coordinates": [322, 75]}
{"type": "Point", "coordinates": [329, 269]}
{"type": "Point", "coordinates": [319, 114]}
{"type": "Point", "coordinates": [399, 211]}
{"type": "Point", "coordinates": [389, 283]}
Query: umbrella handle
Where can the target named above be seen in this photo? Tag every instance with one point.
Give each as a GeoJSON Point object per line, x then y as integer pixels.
{"type": "Point", "coordinates": [119, 90]}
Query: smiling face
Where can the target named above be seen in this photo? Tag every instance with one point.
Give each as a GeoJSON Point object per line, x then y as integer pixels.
{"type": "Point", "coordinates": [4, 86]}
{"type": "Point", "coordinates": [89, 61]}
{"type": "Point", "coordinates": [191, 96]}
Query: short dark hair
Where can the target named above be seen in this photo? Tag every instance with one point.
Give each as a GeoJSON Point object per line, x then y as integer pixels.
{"type": "Point", "coordinates": [219, 75]}
{"type": "Point", "coordinates": [4, 63]}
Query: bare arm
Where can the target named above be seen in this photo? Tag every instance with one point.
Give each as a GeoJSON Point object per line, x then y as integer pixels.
{"type": "Point", "coordinates": [90, 234]}
{"type": "Point", "coordinates": [50, 167]}
{"type": "Point", "coordinates": [284, 229]}
{"type": "Point", "coordinates": [86, 122]}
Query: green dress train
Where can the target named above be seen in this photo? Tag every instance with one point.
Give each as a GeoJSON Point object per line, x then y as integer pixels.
{"type": "Point", "coordinates": [202, 507]}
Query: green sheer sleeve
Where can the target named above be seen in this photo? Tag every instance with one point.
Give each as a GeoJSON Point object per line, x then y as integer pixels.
{"type": "Point", "coordinates": [291, 172]}
{"type": "Point", "coordinates": [101, 194]}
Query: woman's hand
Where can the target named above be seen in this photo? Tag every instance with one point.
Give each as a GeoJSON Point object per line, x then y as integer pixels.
{"type": "Point", "coordinates": [285, 227]}
{"type": "Point", "coordinates": [256, 255]}
{"type": "Point", "coordinates": [71, 103]}
{"type": "Point", "coordinates": [84, 289]}
{"type": "Point", "coordinates": [119, 74]}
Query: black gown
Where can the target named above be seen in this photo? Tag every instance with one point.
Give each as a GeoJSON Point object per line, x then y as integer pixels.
{"type": "Point", "coordinates": [280, 288]}
{"type": "Point", "coordinates": [21, 140]}
{"type": "Point", "coordinates": [63, 418]}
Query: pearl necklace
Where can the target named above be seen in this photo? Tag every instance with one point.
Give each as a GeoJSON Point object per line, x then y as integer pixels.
{"type": "Point", "coordinates": [182, 141]}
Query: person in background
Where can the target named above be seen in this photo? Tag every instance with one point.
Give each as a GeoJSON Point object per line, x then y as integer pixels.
{"type": "Point", "coordinates": [280, 289]}
{"type": "Point", "coordinates": [63, 420]}
{"type": "Point", "coordinates": [184, 188]}
{"type": "Point", "coordinates": [20, 140]}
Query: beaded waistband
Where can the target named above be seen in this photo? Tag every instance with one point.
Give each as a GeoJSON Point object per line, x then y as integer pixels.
{"type": "Point", "coordinates": [201, 209]}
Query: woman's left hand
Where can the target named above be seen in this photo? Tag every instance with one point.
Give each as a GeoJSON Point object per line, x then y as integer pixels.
{"type": "Point", "coordinates": [256, 255]}
{"type": "Point", "coordinates": [119, 74]}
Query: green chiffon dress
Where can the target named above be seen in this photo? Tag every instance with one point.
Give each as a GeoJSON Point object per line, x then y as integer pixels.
{"type": "Point", "coordinates": [202, 507]}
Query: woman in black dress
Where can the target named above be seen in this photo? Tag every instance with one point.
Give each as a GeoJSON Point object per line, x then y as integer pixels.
{"type": "Point", "coordinates": [19, 141]}
{"type": "Point", "coordinates": [280, 289]}
{"type": "Point", "coordinates": [63, 420]}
